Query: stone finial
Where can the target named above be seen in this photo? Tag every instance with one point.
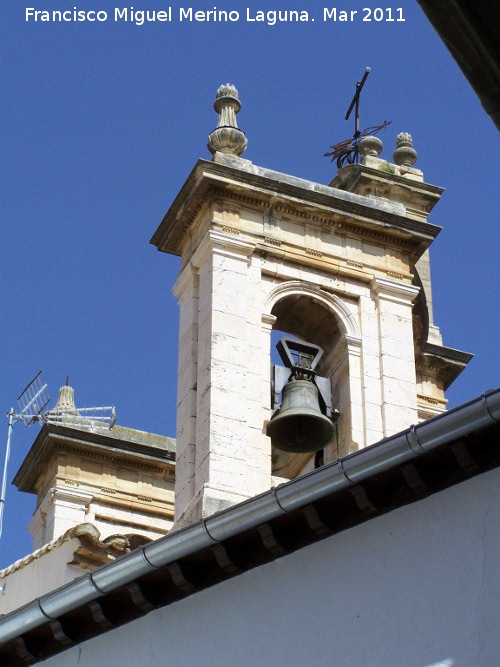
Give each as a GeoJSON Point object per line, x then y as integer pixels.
{"type": "Point", "coordinates": [404, 155]}
{"type": "Point", "coordinates": [66, 400]}
{"type": "Point", "coordinates": [370, 145]}
{"type": "Point", "coordinates": [65, 410]}
{"type": "Point", "coordinates": [226, 137]}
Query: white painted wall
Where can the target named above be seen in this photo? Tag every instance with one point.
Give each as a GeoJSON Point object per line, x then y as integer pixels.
{"type": "Point", "coordinates": [415, 588]}
{"type": "Point", "coordinates": [37, 574]}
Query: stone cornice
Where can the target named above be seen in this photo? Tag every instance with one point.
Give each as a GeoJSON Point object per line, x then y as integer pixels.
{"type": "Point", "coordinates": [217, 242]}
{"type": "Point", "coordinates": [349, 178]}
{"type": "Point", "coordinates": [268, 320]}
{"type": "Point", "coordinates": [263, 186]}
{"type": "Point", "coordinates": [253, 201]}
{"type": "Point", "coordinates": [424, 400]}
{"type": "Point", "coordinates": [394, 291]}
{"type": "Point", "coordinates": [54, 440]}
{"type": "Point", "coordinates": [447, 353]}
{"type": "Point", "coordinates": [343, 227]}
{"type": "Point", "coordinates": [441, 362]}
{"type": "Point", "coordinates": [110, 457]}
{"type": "Point", "coordinates": [64, 493]}
{"type": "Point", "coordinates": [330, 223]}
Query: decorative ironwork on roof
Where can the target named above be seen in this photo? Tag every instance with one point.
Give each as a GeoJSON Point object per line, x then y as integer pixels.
{"type": "Point", "coordinates": [347, 151]}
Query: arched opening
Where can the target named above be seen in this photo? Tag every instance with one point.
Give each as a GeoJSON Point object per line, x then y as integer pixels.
{"type": "Point", "coordinates": [312, 320]}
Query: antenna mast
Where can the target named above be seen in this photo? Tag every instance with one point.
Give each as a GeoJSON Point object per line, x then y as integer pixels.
{"type": "Point", "coordinates": [31, 401]}
{"type": "Point", "coordinates": [11, 414]}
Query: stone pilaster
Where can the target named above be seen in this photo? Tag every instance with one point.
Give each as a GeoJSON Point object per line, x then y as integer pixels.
{"type": "Point", "coordinates": [397, 354]}
{"type": "Point", "coordinates": [372, 386]}
{"type": "Point", "coordinates": [187, 291]}
{"type": "Point", "coordinates": [62, 509]}
{"type": "Point", "coordinates": [223, 425]}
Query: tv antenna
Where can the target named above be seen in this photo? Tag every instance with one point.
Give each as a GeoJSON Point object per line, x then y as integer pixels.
{"type": "Point", "coordinates": [32, 403]}
{"type": "Point", "coordinates": [347, 151]}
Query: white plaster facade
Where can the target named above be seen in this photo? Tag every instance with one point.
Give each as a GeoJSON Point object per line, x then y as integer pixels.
{"type": "Point", "coordinates": [417, 587]}
{"type": "Point", "coordinates": [42, 571]}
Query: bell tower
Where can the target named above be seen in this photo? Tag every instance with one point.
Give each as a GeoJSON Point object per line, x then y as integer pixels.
{"type": "Point", "coordinates": [342, 267]}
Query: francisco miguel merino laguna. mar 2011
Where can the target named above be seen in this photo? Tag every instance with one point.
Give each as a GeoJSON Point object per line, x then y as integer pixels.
{"type": "Point", "coordinates": [169, 15]}
{"type": "Point", "coordinates": [190, 15]}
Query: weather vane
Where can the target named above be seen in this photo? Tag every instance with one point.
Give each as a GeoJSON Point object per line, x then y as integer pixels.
{"type": "Point", "coordinates": [347, 151]}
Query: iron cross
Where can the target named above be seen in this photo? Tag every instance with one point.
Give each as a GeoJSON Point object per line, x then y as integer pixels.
{"type": "Point", "coordinates": [355, 103]}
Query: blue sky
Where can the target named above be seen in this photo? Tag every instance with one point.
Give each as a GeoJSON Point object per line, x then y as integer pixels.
{"type": "Point", "coordinates": [102, 122]}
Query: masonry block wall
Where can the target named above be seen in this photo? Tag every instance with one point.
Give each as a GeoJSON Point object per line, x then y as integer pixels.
{"type": "Point", "coordinates": [262, 250]}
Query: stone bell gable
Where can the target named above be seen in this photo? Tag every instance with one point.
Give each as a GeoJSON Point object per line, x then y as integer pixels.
{"type": "Point", "coordinates": [343, 266]}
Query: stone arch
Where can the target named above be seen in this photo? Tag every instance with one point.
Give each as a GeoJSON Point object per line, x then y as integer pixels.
{"type": "Point", "coordinates": [347, 321]}
{"type": "Point", "coordinates": [312, 314]}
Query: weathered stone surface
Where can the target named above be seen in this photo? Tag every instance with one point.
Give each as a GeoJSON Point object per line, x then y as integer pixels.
{"type": "Point", "coordinates": [120, 481]}
{"type": "Point", "coordinates": [333, 265]}
{"type": "Point", "coordinates": [226, 137]}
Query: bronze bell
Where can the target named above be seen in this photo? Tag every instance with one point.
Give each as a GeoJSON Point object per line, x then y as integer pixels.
{"type": "Point", "coordinates": [299, 425]}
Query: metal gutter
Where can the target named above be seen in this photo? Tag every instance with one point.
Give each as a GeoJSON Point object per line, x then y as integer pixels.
{"type": "Point", "coordinates": [391, 453]}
